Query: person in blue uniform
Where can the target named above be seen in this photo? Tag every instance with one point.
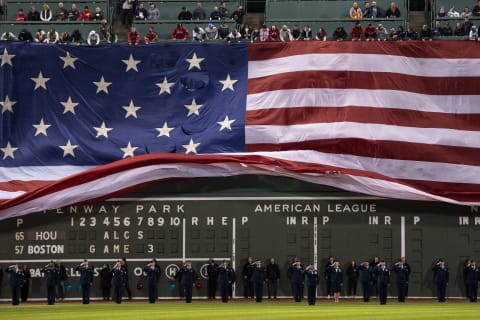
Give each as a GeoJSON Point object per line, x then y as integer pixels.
{"type": "Point", "coordinates": [15, 281]}
{"type": "Point", "coordinates": [441, 278]}
{"type": "Point", "coordinates": [118, 281]}
{"type": "Point", "coordinates": [336, 280]}
{"type": "Point", "coordinates": [273, 276]}
{"type": "Point", "coordinates": [402, 272]}
{"type": "Point", "coordinates": [50, 272]}
{"type": "Point", "coordinates": [312, 281]}
{"type": "Point", "coordinates": [86, 279]}
{"type": "Point", "coordinates": [225, 276]}
{"type": "Point", "coordinates": [189, 276]}
{"type": "Point", "coordinates": [472, 278]}
{"type": "Point", "coordinates": [247, 278]}
{"type": "Point", "coordinates": [259, 276]}
{"type": "Point", "coordinates": [382, 275]}
{"type": "Point", "coordinates": [366, 280]}
{"type": "Point", "coordinates": [212, 279]}
{"type": "Point", "coordinates": [297, 277]}
{"type": "Point", "coordinates": [152, 271]}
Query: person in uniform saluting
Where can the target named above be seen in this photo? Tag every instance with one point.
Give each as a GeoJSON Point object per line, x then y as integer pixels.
{"type": "Point", "coordinates": [312, 282]}
{"type": "Point", "coordinates": [382, 274]}
{"type": "Point", "coordinates": [366, 280]}
{"type": "Point", "coordinates": [402, 271]}
{"type": "Point", "coordinates": [441, 278]}
{"type": "Point", "coordinates": [259, 275]}
{"type": "Point", "coordinates": [189, 276]}
{"type": "Point", "coordinates": [152, 270]}
{"type": "Point", "coordinates": [225, 276]}
{"type": "Point", "coordinates": [51, 279]}
{"type": "Point", "coordinates": [15, 281]}
{"type": "Point", "coordinates": [297, 276]}
{"type": "Point", "coordinates": [118, 280]}
{"type": "Point", "coordinates": [86, 279]}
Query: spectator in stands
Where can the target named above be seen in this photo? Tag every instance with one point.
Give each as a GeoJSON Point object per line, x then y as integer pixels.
{"type": "Point", "coordinates": [447, 30]}
{"type": "Point", "coordinates": [223, 31]}
{"type": "Point", "coordinates": [152, 13]}
{"type": "Point", "coordinates": [355, 12]}
{"type": "Point", "coordinates": [198, 34]}
{"type": "Point", "coordinates": [264, 33]}
{"type": "Point", "coordinates": [273, 34]}
{"type": "Point", "coordinates": [246, 31]}
{"type": "Point", "coordinates": [73, 14]}
{"type": "Point", "coordinates": [370, 32]}
{"type": "Point", "coordinates": [33, 15]}
{"type": "Point", "coordinates": [46, 13]}
{"type": "Point", "coordinates": [401, 33]}
{"type": "Point", "coordinates": [441, 12]}
{"type": "Point", "coordinates": [392, 35]}
{"type": "Point", "coordinates": [321, 35]}
{"type": "Point", "coordinates": [453, 13]}
{"type": "Point", "coordinates": [185, 14]}
{"type": "Point", "coordinates": [306, 33]}
{"type": "Point", "coordinates": [467, 25]}
{"type": "Point", "coordinates": [180, 32]}
{"type": "Point", "coordinates": [255, 37]}
{"type": "Point", "coordinates": [238, 15]}
{"type": "Point", "coordinates": [375, 11]}
{"type": "Point", "coordinates": [366, 9]}
{"type": "Point", "coordinates": [211, 32]}
{"type": "Point", "coordinates": [61, 13]}
{"type": "Point", "coordinates": [25, 35]}
{"type": "Point", "coordinates": [426, 33]}
{"type": "Point", "coordinates": [40, 36]}
{"type": "Point", "coordinates": [105, 32]}
{"type": "Point", "coordinates": [93, 38]}
{"type": "Point", "coordinates": [285, 34]}
{"type": "Point", "coordinates": [128, 11]}
{"type": "Point", "coordinates": [141, 13]}
{"type": "Point", "coordinates": [98, 15]}
{"type": "Point", "coordinates": [76, 37]}
{"type": "Point", "coordinates": [215, 15]}
{"type": "Point", "coordinates": [437, 31]}
{"type": "Point", "coordinates": [52, 36]}
{"type": "Point", "coordinates": [20, 16]}
{"type": "Point", "coordinates": [476, 10]}
{"type": "Point", "coordinates": [86, 15]}
{"type": "Point", "coordinates": [382, 33]}
{"type": "Point", "coordinates": [393, 11]}
{"type": "Point", "coordinates": [339, 34]}
{"type": "Point", "coordinates": [8, 36]}
{"type": "Point", "coordinates": [223, 10]}
{"type": "Point", "coordinates": [296, 33]}
{"type": "Point", "coordinates": [459, 30]}
{"type": "Point", "coordinates": [133, 36]}
{"type": "Point", "coordinates": [234, 35]}
{"type": "Point", "coordinates": [356, 33]}
{"type": "Point", "coordinates": [466, 12]}
{"type": "Point", "coordinates": [151, 36]}
{"type": "Point", "coordinates": [199, 13]}
{"type": "Point", "coordinates": [411, 34]}
{"type": "Point", "coordinates": [473, 35]}
{"type": "Point", "coordinates": [64, 38]}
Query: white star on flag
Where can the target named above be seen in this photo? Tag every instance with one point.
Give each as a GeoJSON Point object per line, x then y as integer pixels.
{"type": "Point", "coordinates": [7, 58]}
{"type": "Point", "coordinates": [7, 104]}
{"type": "Point", "coordinates": [68, 61]}
{"type": "Point", "coordinates": [41, 128]}
{"type": "Point", "coordinates": [40, 81]}
{"type": "Point", "coordinates": [165, 130]}
{"type": "Point", "coordinates": [165, 86]}
{"type": "Point", "coordinates": [194, 62]}
{"type": "Point", "coordinates": [128, 151]}
{"type": "Point", "coordinates": [102, 130]}
{"type": "Point", "coordinates": [68, 149]}
{"type": "Point", "coordinates": [131, 110]}
{"type": "Point", "coordinates": [8, 151]}
{"type": "Point", "coordinates": [131, 63]}
{"type": "Point", "coordinates": [191, 147]}
{"type": "Point", "coordinates": [193, 108]}
{"type": "Point", "coordinates": [226, 124]}
{"type": "Point", "coordinates": [69, 105]}
{"type": "Point", "coordinates": [228, 83]}
{"type": "Point", "coordinates": [102, 85]}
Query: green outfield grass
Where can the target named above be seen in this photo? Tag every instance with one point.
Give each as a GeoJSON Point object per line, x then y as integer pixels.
{"type": "Point", "coordinates": [243, 310]}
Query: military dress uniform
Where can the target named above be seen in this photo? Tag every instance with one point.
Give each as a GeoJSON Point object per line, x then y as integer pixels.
{"type": "Point", "coordinates": [188, 279]}
{"type": "Point", "coordinates": [312, 280]}
{"type": "Point", "coordinates": [382, 274]}
{"type": "Point", "coordinates": [366, 280]}
{"type": "Point", "coordinates": [15, 281]}
{"type": "Point", "coordinates": [441, 278]}
{"type": "Point", "coordinates": [86, 279]}
{"type": "Point", "coordinates": [224, 280]}
{"type": "Point", "coordinates": [297, 276]}
{"type": "Point", "coordinates": [259, 275]}
{"type": "Point", "coordinates": [402, 272]}
{"type": "Point", "coordinates": [51, 279]}
{"type": "Point", "coordinates": [118, 281]}
{"type": "Point", "coordinates": [152, 271]}
{"type": "Point", "coordinates": [472, 276]}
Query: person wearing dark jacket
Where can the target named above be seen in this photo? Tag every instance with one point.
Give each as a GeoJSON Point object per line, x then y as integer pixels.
{"type": "Point", "coordinates": [225, 276]}
{"type": "Point", "coordinates": [312, 280]}
{"type": "Point", "coordinates": [106, 281]}
{"type": "Point", "coordinates": [402, 271]}
{"type": "Point", "coordinates": [62, 277]}
{"type": "Point", "coordinates": [212, 279]}
{"type": "Point", "coordinates": [86, 279]}
{"type": "Point", "coordinates": [472, 276]}
{"type": "Point", "coordinates": [366, 280]}
{"type": "Point", "coordinates": [441, 278]}
{"type": "Point", "coordinates": [382, 274]}
{"type": "Point", "coordinates": [352, 276]}
{"type": "Point", "coordinates": [189, 276]}
{"type": "Point", "coordinates": [15, 281]}
{"type": "Point", "coordinates": [127, 286]}
{"type": "Point", "coordinates": [258, 279]}
{"type": "Point", "coordinates": [26, 283]}
{"type": "Point", "coordinates": [326, 275]}
{"type": "Point", "coordinates": [247, 277]}
{"type": "Point", "coordinates": [118, 280]}
{"type": "Point", "coordinates": [273, 276]}
{"type": "Point", "coordinates": [336, 280]}
{"type": "Point", "coordinates": [297, 277]}
{"type": "Point", "coordinates": [339, 34]}
{"type": "Point", "coordinates": [50, 272]}
{"type": "Point", "coordinates": [152, 270]}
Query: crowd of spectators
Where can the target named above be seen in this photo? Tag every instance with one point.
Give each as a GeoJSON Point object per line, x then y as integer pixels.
{"type": "Point", "coordinates": [60, 14]}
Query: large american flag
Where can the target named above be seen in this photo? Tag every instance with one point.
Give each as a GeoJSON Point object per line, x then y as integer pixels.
{"type": "Point", "coordinates": [394, 119]}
